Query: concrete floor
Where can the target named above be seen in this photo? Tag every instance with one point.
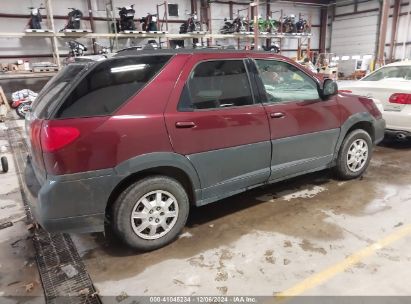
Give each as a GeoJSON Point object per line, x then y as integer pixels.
{"type": "Point", "coordinates": [312, 235]}
{"type": "Point", "coordinates": [306, 236]}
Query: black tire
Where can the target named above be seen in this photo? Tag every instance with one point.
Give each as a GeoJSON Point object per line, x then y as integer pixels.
{"type": "Point", "coordinates": [125, 203]}
{"type": "Point", "coordinates": [342, 168]}
{"type": "Point", "coordinates": [4, 164]}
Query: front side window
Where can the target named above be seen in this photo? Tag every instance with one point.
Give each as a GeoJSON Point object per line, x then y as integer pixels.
{"type": "Point", "coordinates": [217, 84]}
{"type": "Point", "coordinates": [109, 85]}
{"type": "Point", "coordinates": [284, 82]}
{"type": "Point", "coordinates": [390, 73]}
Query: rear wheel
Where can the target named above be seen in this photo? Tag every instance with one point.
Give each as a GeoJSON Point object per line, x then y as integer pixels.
{"type": "Point", "coordinates": [354, 155]}
{"type": "Point", "coordinates": [151, 212]}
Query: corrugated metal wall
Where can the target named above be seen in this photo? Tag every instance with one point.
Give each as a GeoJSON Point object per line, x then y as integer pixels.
{"type": "Point", "coordinates": [355, 34]}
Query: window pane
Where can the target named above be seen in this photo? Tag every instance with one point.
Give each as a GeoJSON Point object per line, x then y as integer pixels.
{"type": "Point", "coordinates": [54, 89]}
{"type": "Point", "coordinates": [109, 85]}
{"type": "Point", "coordinates": [173, 10]}
{"type": "Point", "coordinates": [391, 73]}
{"type": "Point", "coordinates": [284, 82]}
{"type": "Point", "coordinates": [217, 84]}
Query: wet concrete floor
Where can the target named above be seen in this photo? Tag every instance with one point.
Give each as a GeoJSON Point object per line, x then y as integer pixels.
{"type": "Point", "coordinates": [19, 277]}
{"type": "Point", "coordinates": [267, 240]}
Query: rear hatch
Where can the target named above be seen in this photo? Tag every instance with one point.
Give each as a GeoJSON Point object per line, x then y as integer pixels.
{"type": "Point", "coordinates": [75, 103]}
{"type": "Point", "coordinates": [46, 102]}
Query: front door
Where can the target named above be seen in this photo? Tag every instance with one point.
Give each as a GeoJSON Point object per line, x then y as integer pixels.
{"type": "Point", "coordinates": [213, 120]}
{"type": "Point", "coordinates": [304, 128]}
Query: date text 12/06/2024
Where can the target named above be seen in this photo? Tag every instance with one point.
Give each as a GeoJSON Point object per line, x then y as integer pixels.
{"type": "Point", "coordinates": [203, 299]}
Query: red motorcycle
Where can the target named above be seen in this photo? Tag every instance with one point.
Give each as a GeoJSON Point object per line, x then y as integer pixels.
{"type": "Point", "coordinates": [22, 100]}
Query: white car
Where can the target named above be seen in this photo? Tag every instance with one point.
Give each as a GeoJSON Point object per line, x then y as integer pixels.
{"type": "Point", "coordinates": [390, 87]}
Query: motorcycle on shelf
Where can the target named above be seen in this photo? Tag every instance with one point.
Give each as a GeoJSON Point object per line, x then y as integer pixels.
{"type": "Point", "coordinates": [289, 24]}
{"type": "Point", "coordinates": [76, 48]}
{"type": "Point", "coordinates": [271, 25]}
{"type": "Point", "coordinates": [238, 25]}
{"type": "Point", "coordinates": [268, 25]}
{"type": "Point", "coordinates": [102, 49]}
{"type": "Point", "coordinates": [191, 25]}
{"type": "Point", "coordinates": [35, 18]}
{"type": "Point", "coordinates": [274, 48]}
{"type": "Point", "coordinates": [149, 23]}
{"type": "Point", "coordinates": [302, 25]}
{"type": "Point", "coordinates": [126, 22]}
{"type": "Point", "coordinates": [74, 18]}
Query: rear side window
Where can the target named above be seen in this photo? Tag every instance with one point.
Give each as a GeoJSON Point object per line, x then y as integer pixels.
{"type": "Point", "coordinates": [109, 85]}
{"type": "Point", "coordinates": [216, 84]}
{"type": "Point", "coordinates": [55, 89]}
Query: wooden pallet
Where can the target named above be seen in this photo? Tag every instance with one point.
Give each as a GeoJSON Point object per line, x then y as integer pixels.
{"type": "Point", "coordinates": [38, 31]}
{"type": "Point", "coordinates": [45, 69]}
{"type": "Point", "coordinates": [76, 31]}
{"type": "Point", "coordinates": [158, 32]}
{"type": "Point", "coordinates": [197, 33]}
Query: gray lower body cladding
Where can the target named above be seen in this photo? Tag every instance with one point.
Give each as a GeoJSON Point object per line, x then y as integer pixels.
{"type": "Point", "coordinates": [70, 203]}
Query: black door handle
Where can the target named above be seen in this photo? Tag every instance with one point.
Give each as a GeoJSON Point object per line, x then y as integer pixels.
{"type": "Point", "coordinates": [277, 115]}
{"type": "Point", "coordinates": [185, 124]}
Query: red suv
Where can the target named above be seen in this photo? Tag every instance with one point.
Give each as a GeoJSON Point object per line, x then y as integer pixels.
{"type": "Point", "coordinates": [136, 140]}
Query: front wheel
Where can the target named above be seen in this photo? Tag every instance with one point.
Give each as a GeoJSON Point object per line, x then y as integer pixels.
{"type": "Point", "coordinates": [151, 212]}
{"type": "Point", "coordinates": [354, 155]}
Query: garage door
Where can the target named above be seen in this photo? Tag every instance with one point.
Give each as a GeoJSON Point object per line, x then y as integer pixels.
{"type": "Point", "coordinates": [355, 34]}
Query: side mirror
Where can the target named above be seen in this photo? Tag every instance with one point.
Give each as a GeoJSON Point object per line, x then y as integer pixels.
{"type": "Point", "coordinates": [330, 88]}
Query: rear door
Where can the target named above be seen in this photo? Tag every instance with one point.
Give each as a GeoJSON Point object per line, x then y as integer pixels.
{"type": "Point", "coordinates": [214, 120]}
{"type": "Point", "coordinates": [304, 128]}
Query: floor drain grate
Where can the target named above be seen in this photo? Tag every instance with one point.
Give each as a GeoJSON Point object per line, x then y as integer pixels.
{"type": "Point", "coordinates": [54, 253]}
{"type": "Point", "coordinates": [62, 272]}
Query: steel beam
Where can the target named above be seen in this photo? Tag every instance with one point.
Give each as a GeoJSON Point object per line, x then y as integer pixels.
{"type": "Point", "coordinates": [383, 32]}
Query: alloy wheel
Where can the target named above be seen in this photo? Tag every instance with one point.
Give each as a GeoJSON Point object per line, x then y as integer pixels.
{"type": "Point", "coordinates": [357, 155]}
{"type": "Point", "coordinates": [154, 215]}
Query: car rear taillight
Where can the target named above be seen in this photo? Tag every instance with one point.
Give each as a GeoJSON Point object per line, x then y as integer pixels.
{"type": "Point", "coordinates": [54, 138]}
{"type": "Point", "coordinates": [35, 129]}
{"type": "Point", "coordinates": [344, 91]}
{"type": "Point", "coordinates": [400, 98]}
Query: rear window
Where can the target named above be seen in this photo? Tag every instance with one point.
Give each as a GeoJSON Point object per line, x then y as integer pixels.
{"type": "Point", "coordinates": [55, 89]}
{"type": "Point", "coordinates": [391, 73]}
{"type": "Point", "coordinates": [109, 85]}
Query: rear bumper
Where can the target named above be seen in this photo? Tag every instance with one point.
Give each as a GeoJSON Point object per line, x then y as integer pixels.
{"type": "Point", "coordinates": [398, 133]}
{"type": "Point", "coordinates": [398, 120]}
{"type": "Point", "coordinates": [69, 203]}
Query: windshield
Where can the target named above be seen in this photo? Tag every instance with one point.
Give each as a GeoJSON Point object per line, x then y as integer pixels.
{"type": "Point", "coordinates": [391, 73]}
{"type": "Point", "coordinates": [53, 90]}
